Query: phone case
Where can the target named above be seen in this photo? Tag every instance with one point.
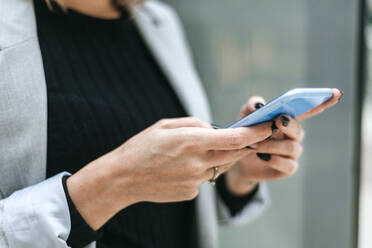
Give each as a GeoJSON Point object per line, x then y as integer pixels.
{"type": "Point", "coordinates": [294, 103]}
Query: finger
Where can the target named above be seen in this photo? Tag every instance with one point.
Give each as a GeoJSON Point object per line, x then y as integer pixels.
{"type": "Point", "coordinates": [209, 173]}
{"type": "Point", "coordinates": [284, 165]}
{"type": "Point", "coordinates": [277, 134]}
{"type": "Point", "coordinates": [263, 172]}
{"type": "Point", "coordinates": [290, 127]}
{"type": "Point", "coordinates": [226, 167]}
{"type": "Point", "coordinates": [182, 122]}
{"type": "Point", "coordinates": [251, 105]}
{"type": "Point", "coordinates": [218, 157]}
{"type": "Point", "coordinates": [287, 148]}
{"type": "Point", "coordinates": [337, 95]}
{"type": "Point", "coordinates": [267, 173]}
{"type": "Point", "coordinates": [222, 139]}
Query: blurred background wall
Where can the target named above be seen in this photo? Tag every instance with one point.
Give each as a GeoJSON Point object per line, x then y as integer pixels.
{"type": "Point", "coordinates": [265, 47]}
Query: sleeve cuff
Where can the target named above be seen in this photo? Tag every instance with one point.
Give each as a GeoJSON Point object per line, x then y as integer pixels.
{"type": "Point", "coordinates": [259, 201]}
{"type": "Point", "coordinates": [234, 203]}
{"type": "Point", "coordinates": [36, 216]}
{"type": "Point", "coordinates": [81, 233]}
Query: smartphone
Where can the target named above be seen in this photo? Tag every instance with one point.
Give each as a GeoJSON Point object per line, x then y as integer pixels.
{"type": "Point", "coordinates": [294, 103]}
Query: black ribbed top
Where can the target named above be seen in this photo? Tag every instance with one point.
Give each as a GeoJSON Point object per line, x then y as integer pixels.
{"type": "Point", "coordinates": [103, 87]}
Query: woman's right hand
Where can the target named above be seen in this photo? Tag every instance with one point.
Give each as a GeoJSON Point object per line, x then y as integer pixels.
{"type": "Point", "coordinates": [166, 162]}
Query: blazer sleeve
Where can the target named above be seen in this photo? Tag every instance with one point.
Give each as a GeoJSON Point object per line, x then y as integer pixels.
{"type": "Point", "coordinates": [259, 202]}
{"type": "Point", "coordinates": [36, 216]}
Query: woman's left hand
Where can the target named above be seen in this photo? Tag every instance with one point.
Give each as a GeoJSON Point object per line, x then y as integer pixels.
{"type": "Point", "coordinates": [272, 159]}
{"type": "Point", "coordinates": [276, 157]}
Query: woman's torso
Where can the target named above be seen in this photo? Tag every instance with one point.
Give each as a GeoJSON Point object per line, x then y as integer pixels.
{"type": "Point", "coordinates": [103, 87]}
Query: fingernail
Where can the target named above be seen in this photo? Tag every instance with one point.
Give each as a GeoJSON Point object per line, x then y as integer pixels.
{"type": "Point", "coordinates": [215, 126]}
{"type": "Point", "coordinates": [251, 147]}
{"type": "Point", "coordinates": [264, 156]}
{"type": "Point", "coordinates": [285, 120]}
{"type": "Point", "coordinates": [259, 105]}
{"type": "Point", "coordinates": [274, 128]}
{"type": "Point", "coordinates": [342, 95]}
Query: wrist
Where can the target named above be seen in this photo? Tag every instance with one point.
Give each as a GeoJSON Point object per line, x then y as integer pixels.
{"type": "Point", "coordinates": [238, 184]}
{"type": "Point", "coordinates": [96, 192]}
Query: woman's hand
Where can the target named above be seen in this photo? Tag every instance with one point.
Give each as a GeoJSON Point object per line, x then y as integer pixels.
{"type": "Point", "coordinates": [167, 162]}
{"type": "Point", "coordinates": [276, 157]}
{"type": "Point", "coordinates": [170, 160]}
{"type": "Point", "coordinates": [271, 159]}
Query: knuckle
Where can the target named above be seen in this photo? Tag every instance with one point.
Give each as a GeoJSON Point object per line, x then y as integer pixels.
{"type": "Point", "coordinates": [163, 122]}
{"type": "Point", "coordinates": [188, 146]}
{"type": "Point", "coordinates": [293, 169]}
{"type": "Point", "coordinates": [291, 147]}
{"type": "Point", "coordinates": [265, 132]}
{"type": "Point", "coordinates": [197, 122]}
{"type": "Point", "coordinates": [273, 174]}
{"type": "Point", "coordinates": [191, 193]}
{"type": "Point", "coordinates": [187, 141]}
{"type": "Point", "coordinates": [303, 134]}
{"type": "Point", "coordinates": [301, 150]}
{"type": "Point", "coordinates": [299, 132]}
{"type": "Point", "coordinates": [195, 193]}
{"type": "Point", "coordinates": [195, 119]}
{"type": "Point", "coordinates": [235, 140]}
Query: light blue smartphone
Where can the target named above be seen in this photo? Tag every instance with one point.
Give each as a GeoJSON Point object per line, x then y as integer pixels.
{"type": "Point", "coordinates": [294, 103]}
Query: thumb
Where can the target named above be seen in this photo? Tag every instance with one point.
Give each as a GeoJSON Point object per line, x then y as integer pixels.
{"type": "Point", "coordinates": [253, 103]}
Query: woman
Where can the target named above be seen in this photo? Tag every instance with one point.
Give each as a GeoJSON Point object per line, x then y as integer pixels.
{"type": "Point", "coordinates": [113, 82]}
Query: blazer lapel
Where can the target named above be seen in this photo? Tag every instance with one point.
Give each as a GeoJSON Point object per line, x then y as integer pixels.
{"type": "Point", "coordinates": [168, 47]}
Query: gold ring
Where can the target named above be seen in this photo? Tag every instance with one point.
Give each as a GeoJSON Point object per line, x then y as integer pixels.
{"type": "Point", "coordinates": [216, 173]}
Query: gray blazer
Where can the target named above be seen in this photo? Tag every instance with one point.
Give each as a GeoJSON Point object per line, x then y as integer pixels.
{"type": "Point", "coordinates": [33, 210]}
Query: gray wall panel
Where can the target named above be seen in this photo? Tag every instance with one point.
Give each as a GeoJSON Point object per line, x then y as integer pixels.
{"type": "Point", "coordinates": [266, 47]}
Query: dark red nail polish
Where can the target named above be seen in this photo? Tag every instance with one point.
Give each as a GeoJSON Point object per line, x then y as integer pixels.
{"type": "Point", "coordinates": [264, 156]}
{"type": "Point", "coordinates": [285, 120]}
{"type": "Point", "coordinates": [259, 105]}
